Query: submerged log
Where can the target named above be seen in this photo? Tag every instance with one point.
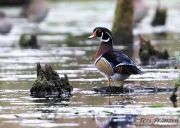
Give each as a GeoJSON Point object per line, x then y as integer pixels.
{"type": "Point", "coordinates": [149, 55]}
{"type": "Point", "coordinates": [123, 23]}
{"type": "Point", "coordinates": [131, 89]}
{"type": "Point", "coordinates": [48, 83]}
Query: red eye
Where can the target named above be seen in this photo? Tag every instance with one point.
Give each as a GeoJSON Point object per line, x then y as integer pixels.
{"type": "Point", "coordinates": [99, 30]}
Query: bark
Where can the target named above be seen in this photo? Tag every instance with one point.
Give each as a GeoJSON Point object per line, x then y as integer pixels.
{"type": "Point", "coordinates": [123, 23]}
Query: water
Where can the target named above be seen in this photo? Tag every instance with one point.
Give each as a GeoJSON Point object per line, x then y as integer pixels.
{"type": "Point", "coordinates": [84, 108]}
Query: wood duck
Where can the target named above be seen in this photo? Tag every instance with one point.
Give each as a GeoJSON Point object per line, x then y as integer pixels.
{"type": "Point", "coordinates": [110, 63]}
{"type": "Point", "coordinates": [36, 11]}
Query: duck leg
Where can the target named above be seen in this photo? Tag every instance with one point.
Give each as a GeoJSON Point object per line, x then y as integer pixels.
{"type": "Point", "coordinates": [109, 82]}
{"type": "Point", "coordinates": [122, 96]}
{"type": "Point", "coordinates": [122, 84]}
{"type": "Point", "coordinates": [109, 86]}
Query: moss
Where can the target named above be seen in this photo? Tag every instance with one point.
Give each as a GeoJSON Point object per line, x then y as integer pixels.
{"type": "Point", "coordinates": [177, 83]}
{"type": "Point", "coordinates": [155, 106]}
{"type": "Point", "coordinates": [123, 22]}
{"type": "Point", "coordinates": [48, 82]}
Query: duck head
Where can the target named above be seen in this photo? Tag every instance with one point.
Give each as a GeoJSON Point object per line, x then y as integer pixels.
{"type": "Point", "coordinates": [103, 34]}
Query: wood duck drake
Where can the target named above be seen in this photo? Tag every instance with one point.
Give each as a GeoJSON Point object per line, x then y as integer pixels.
{"type": "Point", "coordinates": [110, 63]}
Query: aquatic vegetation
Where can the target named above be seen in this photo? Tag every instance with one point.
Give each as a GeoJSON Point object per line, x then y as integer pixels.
{"type": "Point", "coordinates": [155, 106]}
{"type": "Point", "coordinates": [176, 56]}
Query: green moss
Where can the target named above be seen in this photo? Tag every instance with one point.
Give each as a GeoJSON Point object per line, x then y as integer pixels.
{"type": "Point", "coordinates": [123, 21]}
{"type": "Point", "coordinates": [49, 82]}
{"type": "Point", "coordinates": [155, 106]}
{"type": "Point", "coordinates": [177, 83]}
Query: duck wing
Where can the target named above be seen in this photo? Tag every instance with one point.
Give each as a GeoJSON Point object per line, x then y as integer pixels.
{"type": "Point", "coordinates": [120, 62]}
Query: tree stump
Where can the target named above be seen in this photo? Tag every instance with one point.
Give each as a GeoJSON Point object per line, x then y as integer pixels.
{"type": "Point", "coordinates": [148, 54]}
{"type": "Point", "coordinates": [49, 84]}
{"type": "Point", "coordinates": [159, 17]}
{"type": "Point", "coordinates": [28, 41]}
{"type": "Point", "coordinates": [123, 23]}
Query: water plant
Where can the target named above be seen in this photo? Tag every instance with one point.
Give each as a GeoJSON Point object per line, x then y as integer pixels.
{"type": "Point", "coordinates": [176, 56]}
{"type": "Point", "coordinates": [176, 83]}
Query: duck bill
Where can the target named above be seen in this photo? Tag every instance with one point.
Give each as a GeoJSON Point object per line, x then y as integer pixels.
{"type": "Point", "coordinates": [92, 36]}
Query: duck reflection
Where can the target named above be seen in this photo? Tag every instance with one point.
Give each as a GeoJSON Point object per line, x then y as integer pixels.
{"type": "Point", "coordinates": [117, 121]}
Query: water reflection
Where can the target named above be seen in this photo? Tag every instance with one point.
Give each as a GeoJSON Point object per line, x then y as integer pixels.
{"type": "Point", "coordinates": [60, 102]}
{"type": "Point", "coordinates": [116, 121]}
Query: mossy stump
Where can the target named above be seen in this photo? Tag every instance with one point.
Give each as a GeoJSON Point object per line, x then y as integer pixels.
{"type": "Point", "coordinates": [159, 17]}
{"type": "Point", "coordinates": [148, 54]}
{"type": "Point", "coordinates": [28, 41]}
{"type": "Point", "coordinates": [49, 84]}
{"type": "Point", "coordinates": [123, 23]}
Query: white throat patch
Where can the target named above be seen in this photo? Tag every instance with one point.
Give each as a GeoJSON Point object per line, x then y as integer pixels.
{"type": "Point", "coordinates": [102, 40]}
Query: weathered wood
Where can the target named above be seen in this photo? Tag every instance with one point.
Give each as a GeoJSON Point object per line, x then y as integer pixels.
{"type": "Point", "coordinates": [48, 83]}
{"type": "Point", "coordinates": [148, 54]}
{"type": "Point", "coordinates": [131, 89]}
{"type": "Point", "coordinates": [123, 23]}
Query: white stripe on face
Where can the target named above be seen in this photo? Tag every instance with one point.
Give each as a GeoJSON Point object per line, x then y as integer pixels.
{"type": "Point", "coordinates": [102, 40]}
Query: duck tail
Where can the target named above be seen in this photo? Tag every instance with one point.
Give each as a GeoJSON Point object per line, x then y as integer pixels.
{"type": "Point", "coordinates": [131, 69]}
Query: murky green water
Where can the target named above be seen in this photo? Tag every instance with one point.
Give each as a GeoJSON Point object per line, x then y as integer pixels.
{"type": "Point", "coordinates": [76, 58]}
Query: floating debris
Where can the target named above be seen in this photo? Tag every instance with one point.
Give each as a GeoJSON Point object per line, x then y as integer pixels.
{"type": "Point", "coordinates": [49, 84]}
